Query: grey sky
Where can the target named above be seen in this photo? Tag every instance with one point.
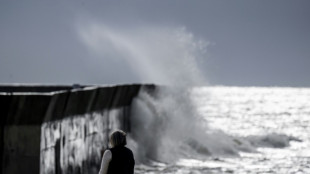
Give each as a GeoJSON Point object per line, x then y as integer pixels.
{"type": "Point", "coordinates": [264, 43]}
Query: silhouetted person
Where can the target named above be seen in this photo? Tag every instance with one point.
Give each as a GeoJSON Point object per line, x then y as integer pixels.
{"type": "Point", "coordinates": [118, 159]}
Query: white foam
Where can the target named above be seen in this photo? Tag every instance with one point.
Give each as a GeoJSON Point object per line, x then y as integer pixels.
{"type": "Point", "coordinates": [167, 127]}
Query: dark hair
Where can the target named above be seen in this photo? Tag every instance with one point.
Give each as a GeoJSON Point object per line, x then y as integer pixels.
{"type": "Point", "coordinates": [118, 138]}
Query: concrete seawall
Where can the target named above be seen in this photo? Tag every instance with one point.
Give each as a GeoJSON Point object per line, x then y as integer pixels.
{"type": "Point", "coordinates": [61, 129]}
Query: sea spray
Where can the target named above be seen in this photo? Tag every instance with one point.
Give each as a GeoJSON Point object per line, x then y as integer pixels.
{"type": "Point", "coordinates": [162, 123]}
{"type": "Point", "coordinates": [167, 127]}
{"type": "Point", "coordinates": [165, 124]}
{"type": "Point", "coordinates": [160, 55]}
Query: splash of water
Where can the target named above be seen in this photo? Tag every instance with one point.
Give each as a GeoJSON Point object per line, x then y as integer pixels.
{"type": "Point", "coordinates": [160, 55]}
{"type": "Point", "coordinates": [165, 126]}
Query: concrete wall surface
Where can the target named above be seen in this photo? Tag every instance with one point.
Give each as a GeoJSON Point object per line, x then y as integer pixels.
{"type": "Point", "coordinates": [61, 132]}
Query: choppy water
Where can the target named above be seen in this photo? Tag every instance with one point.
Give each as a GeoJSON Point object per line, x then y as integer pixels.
{"type": "Point", "coordinates": [275, 122]}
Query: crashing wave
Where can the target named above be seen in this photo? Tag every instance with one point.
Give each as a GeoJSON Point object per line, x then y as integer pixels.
{"type": "Point", "coordinates": [166, 127]}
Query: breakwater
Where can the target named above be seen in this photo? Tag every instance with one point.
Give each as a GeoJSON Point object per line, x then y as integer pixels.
{"type": "Point", "coordinates": [61, 129]}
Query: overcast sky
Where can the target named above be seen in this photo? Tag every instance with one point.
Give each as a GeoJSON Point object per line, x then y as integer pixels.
{"type": "Point", "coordinates": [219, 42]}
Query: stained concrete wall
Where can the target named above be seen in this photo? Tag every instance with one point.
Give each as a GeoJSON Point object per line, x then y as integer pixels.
{"type": "Point", "coordinates": [62, 132]}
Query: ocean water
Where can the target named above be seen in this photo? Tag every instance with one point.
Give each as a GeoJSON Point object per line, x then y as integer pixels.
{"type": "Point", "coordinates": [222, 130]}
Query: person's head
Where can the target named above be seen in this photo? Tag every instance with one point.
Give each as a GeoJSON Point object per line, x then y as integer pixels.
{"type": "Point", "coordinates": [118, 138]}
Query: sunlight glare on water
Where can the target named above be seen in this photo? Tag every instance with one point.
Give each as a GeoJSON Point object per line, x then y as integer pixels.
{"type": "Point", "coordinates": [274, 120]}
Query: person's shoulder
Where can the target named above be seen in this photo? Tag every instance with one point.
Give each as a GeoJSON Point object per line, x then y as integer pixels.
{"type": "Point", "coordinates": [107, 154]}
{"type": "Point", "coordinates": [107, 151]}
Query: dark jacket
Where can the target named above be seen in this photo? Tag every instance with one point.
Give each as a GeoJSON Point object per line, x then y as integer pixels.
{"type": "Point", "coordinates": [122, 161]}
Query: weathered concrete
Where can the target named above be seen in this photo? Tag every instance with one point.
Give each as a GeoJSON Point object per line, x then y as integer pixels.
{"type": "Point", "coordinates": [61, 132]}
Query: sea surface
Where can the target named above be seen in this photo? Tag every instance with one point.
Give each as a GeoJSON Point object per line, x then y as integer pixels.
{"type": "Point", "coordinates": [257, 130]}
